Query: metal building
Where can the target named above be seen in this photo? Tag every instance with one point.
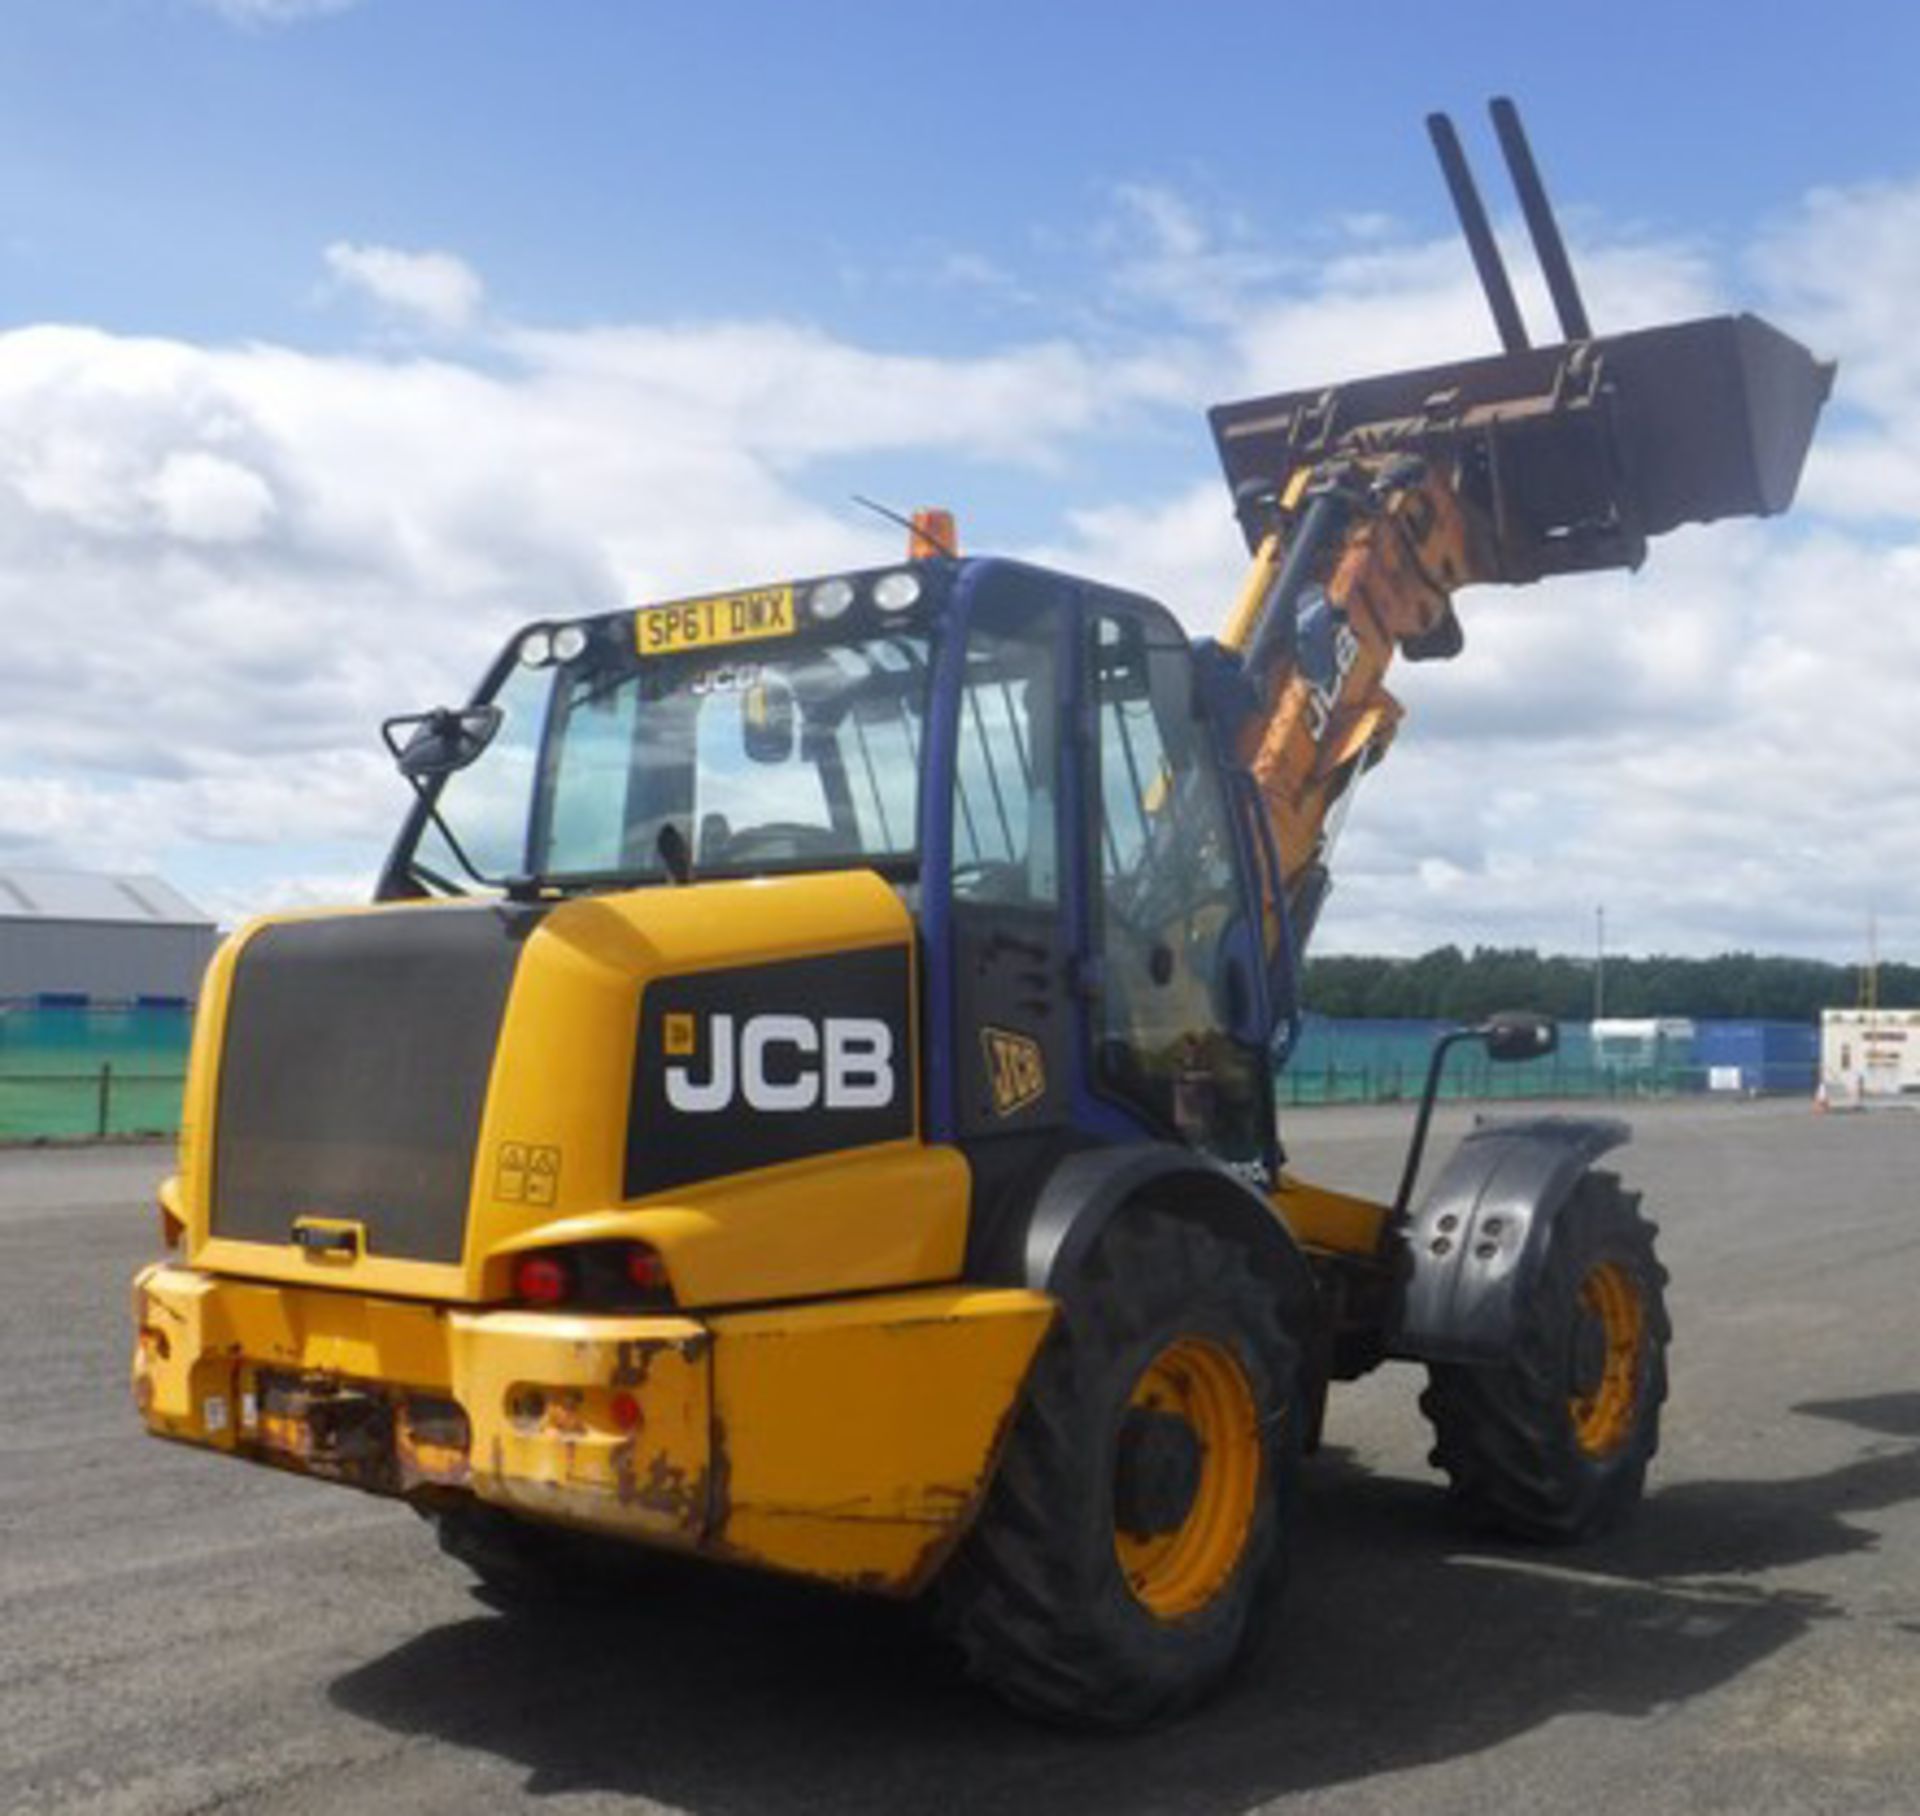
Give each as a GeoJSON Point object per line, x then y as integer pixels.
{"type": "Point", "coordinates": [1869, 1056]}
{"type": "Point", "coordinates": [78, 936]}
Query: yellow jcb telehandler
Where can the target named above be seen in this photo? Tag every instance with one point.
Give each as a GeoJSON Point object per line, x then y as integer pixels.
{"type": "Point", "coordinates": [803, 1092]}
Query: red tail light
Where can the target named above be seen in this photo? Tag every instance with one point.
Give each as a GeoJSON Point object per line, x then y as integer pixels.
{"type": "Point", "coordinates": [645, 1269]}
{"type": "Point", "coordinates": [593, 1277]}
{"type": "Point", "coordinates": [542, 1279]}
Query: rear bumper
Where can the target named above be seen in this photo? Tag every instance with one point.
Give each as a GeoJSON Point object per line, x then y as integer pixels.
{"type": "Point", "coordinates": [846, 1439]}
{"type": "Point", "coordinates": [603, 1422]}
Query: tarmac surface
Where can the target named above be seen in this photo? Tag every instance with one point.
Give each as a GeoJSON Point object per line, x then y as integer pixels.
{"type": "Point", "coordinates": [179, 1633]}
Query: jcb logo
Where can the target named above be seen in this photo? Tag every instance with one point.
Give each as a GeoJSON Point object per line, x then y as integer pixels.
{"type": "Point", "coordinates": [1016, 1073]}
{"type": "Point", "coordinates": [756, 1065]}
{"type": "Point", "coordinates": [781, 1064]}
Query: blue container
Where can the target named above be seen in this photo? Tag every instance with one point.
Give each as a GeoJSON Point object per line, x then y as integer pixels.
{"type": "Point", "coordinates": [1755, 1058]}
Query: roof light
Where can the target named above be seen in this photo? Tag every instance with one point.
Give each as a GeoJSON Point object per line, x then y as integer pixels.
{"type": "Point", "coordinates": [569, 641]}
{"type": "Point", "coordinates": [536, 648]}
{"type": "Point", "coordinates": [829, 599]}
{"type": "Point", "coordinates": [895, 592]}
{"type": "Point", "coordinates": [932, 534]}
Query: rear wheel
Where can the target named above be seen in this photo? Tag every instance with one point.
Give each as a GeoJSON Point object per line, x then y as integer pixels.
{"type": "Point", "coordinates": [1554, 1444]}
{"type": "Point", "coordinates": [1132, 1542]}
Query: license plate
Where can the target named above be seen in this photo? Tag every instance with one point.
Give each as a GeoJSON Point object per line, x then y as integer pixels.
{"type": "Point", "coordinates": [664, 630]}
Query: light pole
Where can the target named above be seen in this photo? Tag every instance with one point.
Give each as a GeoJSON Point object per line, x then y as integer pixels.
{"type": "Point", "coordinates": [1599, 962]}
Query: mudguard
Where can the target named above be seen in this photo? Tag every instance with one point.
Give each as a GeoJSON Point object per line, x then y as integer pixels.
{"type": "Point", "coordinates": [1085, 1190]}
{"type": "Point", "coordinates": [1477, 1241]}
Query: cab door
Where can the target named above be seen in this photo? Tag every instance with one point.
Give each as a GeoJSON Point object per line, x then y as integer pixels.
{"type": "Point", "coordinates": [1013, 978]}
{"type": "Point", "coordinates": [1174, 1015]}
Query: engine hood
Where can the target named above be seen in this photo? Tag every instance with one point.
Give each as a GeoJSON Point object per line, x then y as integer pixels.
{"type": "Point", "coordinates": [400, 1098]}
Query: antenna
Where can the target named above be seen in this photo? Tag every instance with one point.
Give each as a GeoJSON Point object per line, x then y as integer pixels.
{"type": "Point", "coordinates": [1548, 246]}
{"type": "Point", "coordinates": [1479, 235]}
{"type": "Point", "coordinates": [932, 527]}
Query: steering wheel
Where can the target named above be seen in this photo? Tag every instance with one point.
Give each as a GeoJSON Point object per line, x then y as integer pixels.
{"type": "Point", "coordinates": [994, 879]}
{"type": "Point", "coordinates": [789, 839]}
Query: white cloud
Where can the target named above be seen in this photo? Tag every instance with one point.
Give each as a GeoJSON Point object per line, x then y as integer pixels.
{"type": "Point", "coordinates": [221, 566]}
{"type": "Point", "coordinates": [204, 497]}
{"type": "Point", "coordinates": [433, 288]}
{"type": "Point", "coordinates": [274, 12]}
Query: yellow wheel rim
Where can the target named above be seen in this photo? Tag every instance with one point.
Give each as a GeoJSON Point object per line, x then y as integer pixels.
{"type": "Point", "coordinates": [1603, 1418]}
{"type": "Point", "coordinates": [1176, 1572]}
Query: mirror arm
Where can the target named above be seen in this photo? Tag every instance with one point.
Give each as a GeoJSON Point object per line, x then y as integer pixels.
{"type": "Point", "coordinates": [1417, 1147]}
{"type": "Point", "coordinates": [423, 788]}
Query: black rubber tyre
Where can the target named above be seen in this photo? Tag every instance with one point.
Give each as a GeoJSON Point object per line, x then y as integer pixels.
{"type": "Point", "coordinates": [525, 1565]}
{"type": "Point", "coordinates": [1037, 1600]}
{"type": "Point", "coordinates": [1509, 1438]}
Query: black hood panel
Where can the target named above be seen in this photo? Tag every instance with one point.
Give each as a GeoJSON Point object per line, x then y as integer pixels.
{"type": "Point", "coordinates": [354, 1074]}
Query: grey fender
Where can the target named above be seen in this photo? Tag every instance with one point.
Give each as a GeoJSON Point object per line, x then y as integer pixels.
{"type": "Point", "coordinates": [1478, 1239]}
{"type": "Point", "coordinates": [1088, 1188]}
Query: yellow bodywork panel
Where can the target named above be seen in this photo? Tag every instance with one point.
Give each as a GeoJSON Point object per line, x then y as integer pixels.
{"type": "Point", "coordinates": [849, 1440]}
{"type": "Point", "coordinates": [1321, 1218]}
{"type": "Point", "coordinates": [840, 1223]}
{"type": "Point", "coordinates": [544, 1395]}
{"type": "Point", "coordinates": [858, 1435]}
{"type": "Point", "coordinates": [551, 1149]}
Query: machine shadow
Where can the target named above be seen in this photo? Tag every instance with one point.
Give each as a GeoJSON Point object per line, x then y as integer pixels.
{"type": "Point", "coordinates": [1891, 1415]}
{"type": "Point", "coordinates": [1405, 1642]}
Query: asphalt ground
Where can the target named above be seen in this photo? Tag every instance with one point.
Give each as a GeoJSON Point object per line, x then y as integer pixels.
{"type": "Point", "coordinates": [180, 1633]}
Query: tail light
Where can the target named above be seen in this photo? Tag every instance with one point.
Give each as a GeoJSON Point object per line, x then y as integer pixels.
{"type": "Point", "coordinates": [593, 1276]}
{"type": "Point", "coordinates": [645, 1269]}
{"type": "Point", "coordinates": [542, 1280]}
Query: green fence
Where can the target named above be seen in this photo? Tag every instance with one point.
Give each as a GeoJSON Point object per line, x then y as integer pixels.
{"type": "Point", "coordinates": [104, 1102]}
{"type": "Point", "coordinates": [1395, 1081]}
{"type": "Point", "coordinates": [68, 1071]}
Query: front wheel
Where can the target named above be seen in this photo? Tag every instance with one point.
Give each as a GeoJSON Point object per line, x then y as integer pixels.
{"type": "Point", "coordinates": [1554, 1443]}
{"type": "Point", "coordinates": [1132, 1543]}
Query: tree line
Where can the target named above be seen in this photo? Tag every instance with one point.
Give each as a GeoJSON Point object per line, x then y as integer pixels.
{"type": "Point", "coordinates": [1447, 984]}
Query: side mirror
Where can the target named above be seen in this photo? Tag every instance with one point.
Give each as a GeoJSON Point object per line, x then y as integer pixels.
{"type": "Point", "coordinates": [766, 722]}
{"type": "Point", "coordinates": [1520, 1034]}
{"type": "Point", "coordinates": [441, 741]}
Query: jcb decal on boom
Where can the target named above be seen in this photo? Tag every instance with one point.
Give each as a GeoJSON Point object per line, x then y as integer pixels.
{"type": "Point", "coordinates": [764, 1063]}
{"type": "Point", "coordinates": [1324, 695]}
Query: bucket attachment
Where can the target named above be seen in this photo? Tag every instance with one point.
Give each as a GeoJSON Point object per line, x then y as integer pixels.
{"type": "Point", "coordinates": [1575, 454]}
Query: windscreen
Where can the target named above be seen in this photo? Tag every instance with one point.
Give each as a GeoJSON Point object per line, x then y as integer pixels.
{"type": "Point", "coordinates": [614, 766]}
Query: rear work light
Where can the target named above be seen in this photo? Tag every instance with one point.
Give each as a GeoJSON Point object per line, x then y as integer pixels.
{"type": "Point", "coordinates": [593, 1276]}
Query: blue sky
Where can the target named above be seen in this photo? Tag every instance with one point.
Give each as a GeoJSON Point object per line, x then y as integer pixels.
{"type": "Point", "coordinates": [335, 338]}
{"type": "Point", "coordinates": [166, 170]}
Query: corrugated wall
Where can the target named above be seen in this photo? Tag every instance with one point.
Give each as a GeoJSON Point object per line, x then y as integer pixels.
{"type": "Point", "coordinates": [104, 961]}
